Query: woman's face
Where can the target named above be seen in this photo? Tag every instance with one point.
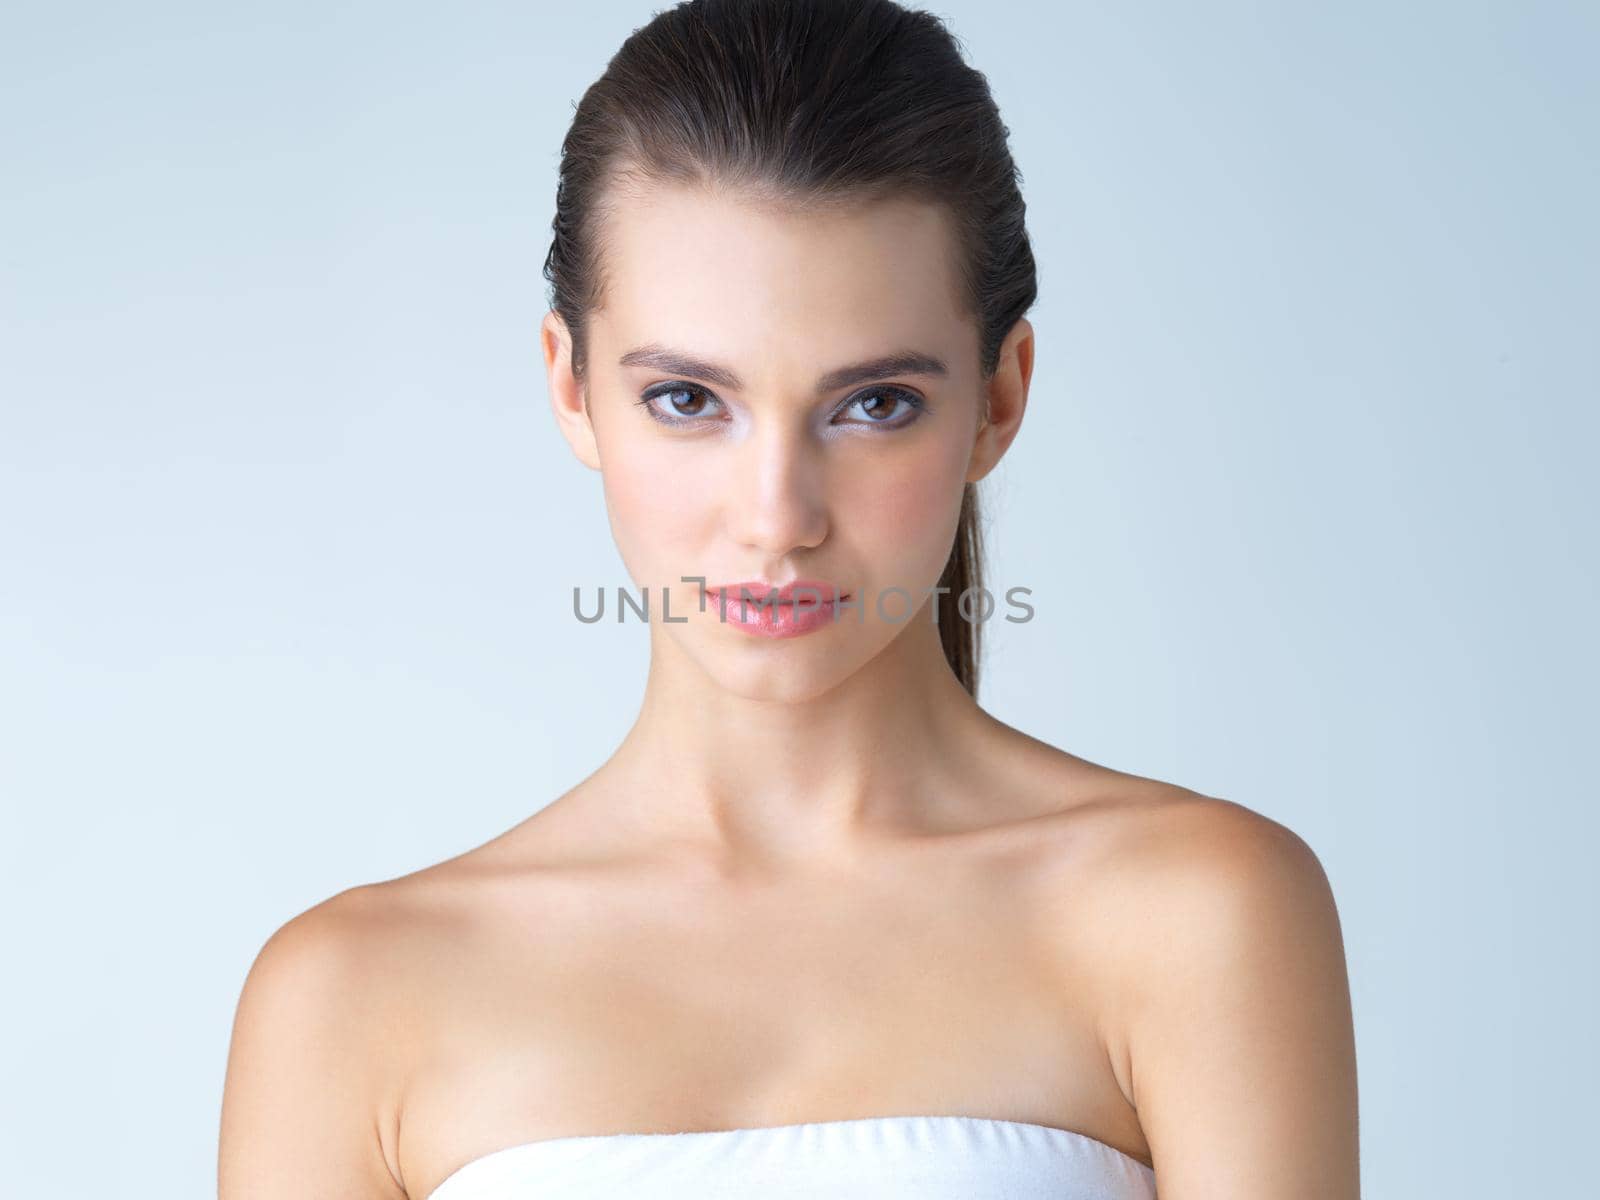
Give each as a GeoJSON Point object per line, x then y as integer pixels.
{"type": "Point", "coordinates": [736, 441]}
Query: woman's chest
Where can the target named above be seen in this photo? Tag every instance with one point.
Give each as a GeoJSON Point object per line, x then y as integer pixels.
{"type": "Point", "coordinates": [790, 1009]}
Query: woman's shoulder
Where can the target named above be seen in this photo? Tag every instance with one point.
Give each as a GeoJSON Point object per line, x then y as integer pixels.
{"type": "Point", "coordinates": [1132, 873]}
{"type": "Point", "coordinates": [1157, 833]}
{"type": "Point", "coordinates": [318, 1040]}
{"type": "Point", "coordinates": [1141, 829]}
{"type": "Point", "coordinates": [1182, 902]}
{"type": "Point", "coordinates": [366, 921]}
{"type": "Point", "coordinates": [1186, 858]}
{"type": "Point", "coordinates": [1135, 832]}
{"type": "Point", "coordinates": [1158, 856]}
{"type": "Point", "coordinates": [1219, 974]}
{"type": "Point", "coordinates": [368, 957]}
{"type": "Point", "coordinates": [349, 966]}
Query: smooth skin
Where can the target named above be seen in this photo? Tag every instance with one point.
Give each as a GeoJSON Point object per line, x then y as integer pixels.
{"type": "Point", "coordinates": [816, 881]}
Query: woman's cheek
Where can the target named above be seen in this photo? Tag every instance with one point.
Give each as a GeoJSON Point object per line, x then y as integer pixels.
{"type": "Point", "coordinates": [654, 500]}
{"type": "Point", "coordinates": [918, 506]}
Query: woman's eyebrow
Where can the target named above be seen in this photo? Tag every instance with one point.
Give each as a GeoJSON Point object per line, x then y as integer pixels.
{"type": "Point", "coordinates": [675, 362]}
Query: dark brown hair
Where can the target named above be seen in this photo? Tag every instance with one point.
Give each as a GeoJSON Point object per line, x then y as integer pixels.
{"type": "Point", "coordinates": [807, 103]}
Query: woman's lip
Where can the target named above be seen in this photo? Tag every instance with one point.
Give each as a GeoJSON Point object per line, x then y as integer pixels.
{"type": "Point", "coordinates": [715, 594]}
{"type": "Point", "coordinates": [763, 617]}
{"type": "Point", "coordinates": [806, 591]}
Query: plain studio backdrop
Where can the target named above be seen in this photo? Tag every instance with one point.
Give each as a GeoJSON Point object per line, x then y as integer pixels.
{"type": "Point", "coordinates": [288, 537]}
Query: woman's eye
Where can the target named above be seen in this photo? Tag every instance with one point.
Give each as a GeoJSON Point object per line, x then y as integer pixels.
{"type": "Point", "coordinates": [881, 406]}
{"type": "Point", "coordinates": [685, 404]}
{"type": "Point", "coordinates": [680, 404]}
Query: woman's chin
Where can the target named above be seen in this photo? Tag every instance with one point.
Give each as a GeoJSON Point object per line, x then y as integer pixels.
{"type": "Point", "coordinates": [778, 671]}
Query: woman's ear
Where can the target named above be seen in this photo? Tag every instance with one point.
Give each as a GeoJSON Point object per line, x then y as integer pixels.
{"type": "Point", "coordinates": [1006, 395]}
{"type": "Point", "coordinates": [566, 394]}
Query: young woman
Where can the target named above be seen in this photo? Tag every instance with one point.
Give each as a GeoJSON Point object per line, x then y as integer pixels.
{"type": "Point", "coordinates": [821, 926]}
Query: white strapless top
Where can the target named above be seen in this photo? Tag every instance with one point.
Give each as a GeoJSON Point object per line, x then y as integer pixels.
{"type": "Point", "coordinates": [868, 1158]}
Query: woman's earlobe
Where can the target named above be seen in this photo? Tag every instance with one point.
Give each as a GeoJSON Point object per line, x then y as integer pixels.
{"type": "Point", "coordinates": [568, 402]}
{"type": "Point", "coordinates": [568, 396]}
{"type": "Point", "coordinates": [983, 457]}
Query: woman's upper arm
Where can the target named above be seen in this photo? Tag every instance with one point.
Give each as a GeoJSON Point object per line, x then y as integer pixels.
{"type": "Point", "coordinates": [1239, 1038]}
{"type": "Point", "coordinates": [300, 1118]}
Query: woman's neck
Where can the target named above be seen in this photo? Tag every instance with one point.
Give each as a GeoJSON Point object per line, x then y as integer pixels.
{"type": "Point", "coordinates": [792, 777]}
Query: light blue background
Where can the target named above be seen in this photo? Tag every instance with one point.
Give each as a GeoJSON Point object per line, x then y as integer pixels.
{"type": "Point", "coordinates": [287, 536]}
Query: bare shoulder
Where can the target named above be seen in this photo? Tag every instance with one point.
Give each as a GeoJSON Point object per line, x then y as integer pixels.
{"type": "Point", "coordinates": [313, 1069]}
{"type": "Point", "coordinates": [1226, 1002]}
{"type": "Point", "coordinates": [1178, 881]}
{"type": "Point", "coordinates": [1131, 861]}
{"type": "Point", "coordinates": [1180, 849]}
{"type": "Point", "coordinates": [339, 958]}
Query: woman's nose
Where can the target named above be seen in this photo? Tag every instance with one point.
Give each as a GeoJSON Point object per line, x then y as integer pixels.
{"type": "Point", "coordinates": [777, 502]}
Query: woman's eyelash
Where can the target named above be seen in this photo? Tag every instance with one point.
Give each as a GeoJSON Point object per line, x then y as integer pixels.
{"type": "Point", "coordinates": [912, 401]}
{"type": "Point", "coordinates": [647, 401]}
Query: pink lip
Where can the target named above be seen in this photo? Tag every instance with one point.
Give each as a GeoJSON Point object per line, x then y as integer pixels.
{"type": "Point", "coordinates": [800, 606]}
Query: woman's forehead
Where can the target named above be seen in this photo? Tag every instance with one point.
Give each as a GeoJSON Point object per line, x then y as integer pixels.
{"type": "Point", "coordinates": [693, 255]}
